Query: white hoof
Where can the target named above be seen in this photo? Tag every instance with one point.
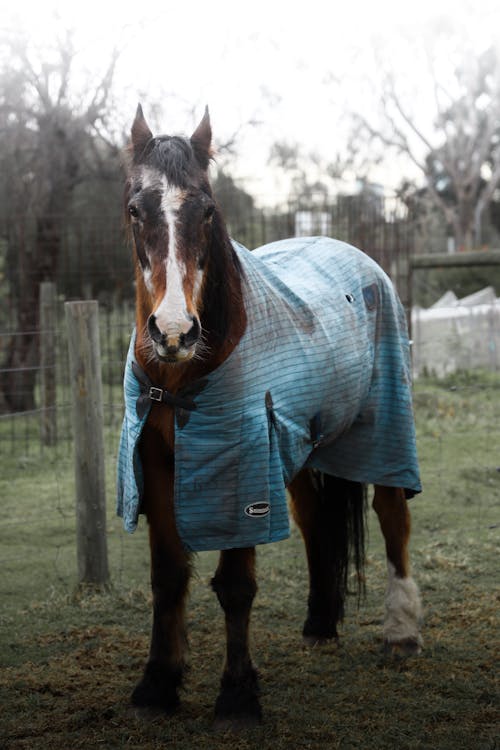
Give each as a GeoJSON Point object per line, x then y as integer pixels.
{"type": "Point", "coordinates": [403, 614]}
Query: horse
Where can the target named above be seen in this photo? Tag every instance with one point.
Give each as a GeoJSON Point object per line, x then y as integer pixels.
{"type": "Point", "coordinates": [231, 372]}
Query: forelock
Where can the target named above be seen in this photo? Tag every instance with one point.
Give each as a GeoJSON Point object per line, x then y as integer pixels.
{"type": "Point", "coordinates": [174, 157]}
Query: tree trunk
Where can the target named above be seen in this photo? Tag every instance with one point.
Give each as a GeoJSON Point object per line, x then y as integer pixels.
{"type": "Point", "coordinates": [20, 367]}
{"type": "Point", "coordinates": [466, 221]}
{"type": "Point", "coordinates": [19, 371]}
{"type": "Point", "coordinates": [463, 230]}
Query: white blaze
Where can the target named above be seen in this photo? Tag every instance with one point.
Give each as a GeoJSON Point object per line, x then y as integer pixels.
{"type": "Point", "coordinates": [172, 316]}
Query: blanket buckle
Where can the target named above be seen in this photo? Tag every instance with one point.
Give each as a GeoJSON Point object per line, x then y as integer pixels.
{"type": "Point", "coordinates": [155, 394]}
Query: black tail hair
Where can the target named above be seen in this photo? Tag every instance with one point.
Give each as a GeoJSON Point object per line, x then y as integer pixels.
{"type": "Point", "coordinates": [343, 540]}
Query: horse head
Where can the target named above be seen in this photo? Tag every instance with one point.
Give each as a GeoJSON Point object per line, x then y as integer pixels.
{"type": "Point", "coordinates": [170, 210]}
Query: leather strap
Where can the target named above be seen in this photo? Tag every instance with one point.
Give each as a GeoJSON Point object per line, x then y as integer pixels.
{"type": "Point", "coordinates": [150, 392]}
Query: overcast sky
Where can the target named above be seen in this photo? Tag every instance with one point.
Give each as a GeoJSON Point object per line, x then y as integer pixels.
{"type": "Point", "coordinates": [297, 68]}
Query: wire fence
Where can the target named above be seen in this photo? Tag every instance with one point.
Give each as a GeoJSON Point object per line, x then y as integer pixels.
{"type": "Point", "coordinates": [37, 484]}
{"type": "Point", "coordinates": [21, 432]}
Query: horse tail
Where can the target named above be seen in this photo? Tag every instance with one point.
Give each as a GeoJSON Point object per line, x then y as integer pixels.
{"type": "Point", "coordinates": [343, 536]}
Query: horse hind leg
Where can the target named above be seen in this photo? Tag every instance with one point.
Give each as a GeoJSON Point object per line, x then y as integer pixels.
{"type": "Point", "coordinates": [402, 603]}
{"type": "Point", "coordinates": [234, 583]}
{"type": "Point", "coordinates": [330, 515]}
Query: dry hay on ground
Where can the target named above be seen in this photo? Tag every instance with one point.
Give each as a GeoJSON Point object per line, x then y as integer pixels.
{"type": "Point", "coordinates": [346, 697]}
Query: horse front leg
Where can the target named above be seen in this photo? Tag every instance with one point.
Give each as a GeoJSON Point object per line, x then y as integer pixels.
{"type": "Point", "coordinates": [235, 586]}
{"type": "Point", "coordinates": [402, 603]}
{"type": "Point", "coordinates": [170, 573]}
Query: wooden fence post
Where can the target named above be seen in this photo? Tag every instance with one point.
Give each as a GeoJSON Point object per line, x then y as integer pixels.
{"type": "Point", "coordinates": [87, 417]}
{"type": "Point", "coordinates": [48, 362]}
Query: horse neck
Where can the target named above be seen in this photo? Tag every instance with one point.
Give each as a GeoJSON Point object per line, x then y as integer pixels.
{"type": "Point", "coordinates": [223, 317]}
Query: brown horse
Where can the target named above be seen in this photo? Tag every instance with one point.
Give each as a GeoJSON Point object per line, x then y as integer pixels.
{"type": "Point", "coordinates": [191, 314]}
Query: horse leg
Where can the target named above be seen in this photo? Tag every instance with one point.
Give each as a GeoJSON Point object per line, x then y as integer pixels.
{"type": "Point", "coordinates": [170, 573]}
{"type": "Point", "coordinates": [330, 515]}
{"type": "Point", "coordinates": [402, 603]}
{"type": "Point", "coordinates": [235, 586]}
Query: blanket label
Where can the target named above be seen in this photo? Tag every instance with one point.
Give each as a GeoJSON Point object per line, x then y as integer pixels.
{"type": "Point", "coordinates": [257, 510]}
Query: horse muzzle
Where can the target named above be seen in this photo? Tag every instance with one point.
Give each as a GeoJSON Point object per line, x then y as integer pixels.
{"type": "Point", "coordinates": [174, 345]}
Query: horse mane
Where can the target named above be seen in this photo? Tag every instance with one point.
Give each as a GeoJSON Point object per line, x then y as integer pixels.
{"type": "Point", "coordinates": [222, 294]}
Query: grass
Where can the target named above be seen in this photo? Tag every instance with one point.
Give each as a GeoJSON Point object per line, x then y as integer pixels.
{"type": "Point", "coordinates": [71, 659]}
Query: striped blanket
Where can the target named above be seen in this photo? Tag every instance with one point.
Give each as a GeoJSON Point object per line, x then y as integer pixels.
{"type": "Point", "coordinates": [321, 378]}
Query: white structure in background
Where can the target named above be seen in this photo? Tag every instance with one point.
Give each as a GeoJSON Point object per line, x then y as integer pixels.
{"type": "Point", "coordinates": [457, 334]}
{"type": "Point", "coordinates": [312, 223]}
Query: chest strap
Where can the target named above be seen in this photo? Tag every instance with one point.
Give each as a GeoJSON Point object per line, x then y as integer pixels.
{"type": "Point", "coordinates": [150, 392]}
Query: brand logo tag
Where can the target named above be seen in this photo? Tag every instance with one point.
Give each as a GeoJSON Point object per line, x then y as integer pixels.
{"type": "Point", "coordinates": [256, 510]}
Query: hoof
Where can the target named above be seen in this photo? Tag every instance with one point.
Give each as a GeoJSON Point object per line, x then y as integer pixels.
{"type": "Point", "coordinates": [318, 631]}
{"type": "Point", "coordinates": [237, 706]}
{"type": "Point", "coordinates": [157, 689]}
{"type": "Point", "coordinates": [403, 649]}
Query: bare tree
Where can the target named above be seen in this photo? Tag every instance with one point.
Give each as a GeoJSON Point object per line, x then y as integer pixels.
{"type": "Point", "coordinates": [459, 152]}
{"type": "Point", "coordinates": [52, 136]}
{"type": "Point", "coordinates": [309, 175]}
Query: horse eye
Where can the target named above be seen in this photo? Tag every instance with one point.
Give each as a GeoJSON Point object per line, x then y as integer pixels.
{"type": "Point", "coordinates": [133, 211]}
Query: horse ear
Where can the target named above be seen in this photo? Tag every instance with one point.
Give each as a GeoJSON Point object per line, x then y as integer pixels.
{"type": "Point", "coordinates": [141, 134]}
{"type": "Point", "coordinates": [201, 141]}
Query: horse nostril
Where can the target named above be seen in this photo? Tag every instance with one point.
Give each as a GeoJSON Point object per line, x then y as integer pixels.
{"type": "Point", "coordinates": [153, 330]}
{"type": "Point", "coordinates": [192, 336]}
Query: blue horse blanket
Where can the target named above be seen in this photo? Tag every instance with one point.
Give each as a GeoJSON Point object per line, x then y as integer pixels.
{"type": "Point", "coordinates": [320, 378]}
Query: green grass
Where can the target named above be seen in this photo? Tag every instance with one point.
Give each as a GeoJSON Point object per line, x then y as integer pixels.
{"type": "Point", "coordinates": [70, 659]}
